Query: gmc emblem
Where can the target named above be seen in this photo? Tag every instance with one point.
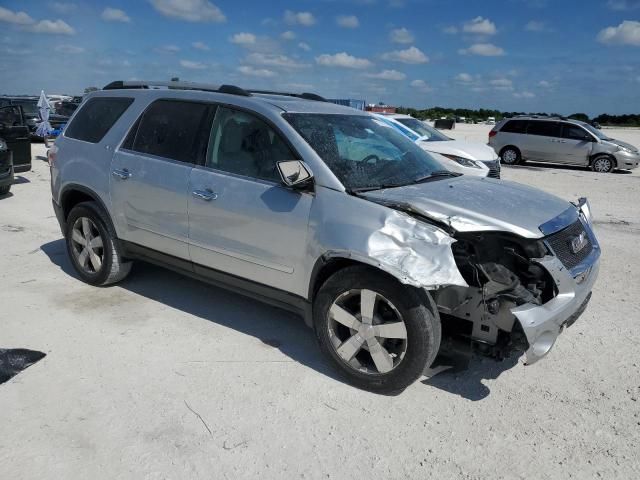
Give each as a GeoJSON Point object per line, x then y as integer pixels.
{"type": "Point", "coordinates": [578, 243]}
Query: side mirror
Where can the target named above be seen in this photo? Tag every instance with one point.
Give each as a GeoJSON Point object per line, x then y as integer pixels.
{"type": "Point", "coordinates": [294, 173]}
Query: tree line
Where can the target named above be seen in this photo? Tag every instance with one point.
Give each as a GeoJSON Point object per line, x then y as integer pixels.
{"type": "Point", "coordinates": [480, 115]}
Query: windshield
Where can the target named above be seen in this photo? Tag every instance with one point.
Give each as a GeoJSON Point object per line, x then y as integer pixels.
{"type": "Point", "coordinates": [364, 152]}
{"type": "Point", "coordinates": [595, 131]}
{"type": "Point", "coordinates": [424, 130]}
{"type": "Point", "coordinates": [401, 128]}
{"type": "Point", "coordinates": [29, 107]}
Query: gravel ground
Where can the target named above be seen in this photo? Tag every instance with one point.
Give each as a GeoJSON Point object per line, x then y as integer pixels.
{"type": "Point", "coordinates": [164, 377]}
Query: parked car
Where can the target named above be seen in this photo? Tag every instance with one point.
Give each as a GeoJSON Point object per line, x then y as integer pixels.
{"type": "Point", "coordinates": [15, 135]}
{"type": "Point", "coordinates": [463, 156]}
{"type": "Point", "coordinates": [560, 140]}
{"type": "Point", "coordinates": [6, 168]}
{"type": "Point", "coordinates": [323, 210]}
{"type": "Point", "coordinates": [32, 114]}
{"type": "Point", "coordinates": [491, 121]}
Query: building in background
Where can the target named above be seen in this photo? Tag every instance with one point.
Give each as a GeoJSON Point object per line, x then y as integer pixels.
{"type": "Point", "coordinates": [349, 102]}
{"type": "Point", "coordinates": [380, 108]}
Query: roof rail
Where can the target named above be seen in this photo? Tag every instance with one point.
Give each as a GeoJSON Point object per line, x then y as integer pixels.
{"type": "Point", "coordinates": [305, 96]}
{"type": "Point", "coordinates": [205, 87]}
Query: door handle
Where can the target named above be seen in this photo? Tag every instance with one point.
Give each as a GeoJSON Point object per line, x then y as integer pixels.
{"type": "Point", "coordinates": [206, 195]}
{"type": "Point", "coordinates": [123, 174]}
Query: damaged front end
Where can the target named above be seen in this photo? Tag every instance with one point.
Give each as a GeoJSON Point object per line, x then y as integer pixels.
{"type": "Point", "coordinates": [522, 292]}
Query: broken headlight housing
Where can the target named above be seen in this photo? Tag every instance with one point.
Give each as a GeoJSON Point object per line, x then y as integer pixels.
{"type": "Point", "coordinates": [465, 162]}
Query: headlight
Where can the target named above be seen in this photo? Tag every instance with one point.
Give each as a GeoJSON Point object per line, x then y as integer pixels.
{"type": "Point", "coordinates": [465, 162]}
{"type": "Point", "coordinates": [585, 209]}
{"type": "Point", "coordinates": [624, 149]}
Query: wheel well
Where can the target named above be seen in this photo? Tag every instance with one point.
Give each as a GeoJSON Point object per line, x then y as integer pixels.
{"type": "Point", "coordinates": [603, 154]}
{"type": "Point", "coordinates": [509, 146]}
{"type": "Point", "coordinates": [72, 198]}
{"type": "Point", "coordinates": [323, 269]}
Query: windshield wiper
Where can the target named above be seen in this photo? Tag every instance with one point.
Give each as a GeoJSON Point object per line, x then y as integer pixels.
{"type": "Point", "coordinates": [435, 175]}
{"type": "Point", "coordinates": [375, 187]}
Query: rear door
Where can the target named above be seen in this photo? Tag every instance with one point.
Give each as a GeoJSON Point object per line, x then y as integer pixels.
{"type": "Point", "coordinates": [242, 220]}
{"type": "Point", "coordinates": [150, 175]}
{"type": "Point", "coordinates": [575, 145]}
{"type": "Point", "coordinates": [542, 139]}
{"type": "Point", "coordinates": [16, 133]}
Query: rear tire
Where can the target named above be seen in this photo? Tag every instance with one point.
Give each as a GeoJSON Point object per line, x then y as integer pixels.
{"type": "Point", "coordinates": [510, 156]}
{"type": "Point", "coordinates": [93, 246]}
{"type": "Point", "coordinates": [4, 190]}
{"type": "Point", "coordinates": [387, 350]}
{"type": "Point", "coordinates": [603, 164]}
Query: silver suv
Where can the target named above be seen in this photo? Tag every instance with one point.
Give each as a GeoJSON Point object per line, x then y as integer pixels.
{"type": "Point", "coordinates": [560, 140]}
{"type": "Point", "coordinates": [325, 211]}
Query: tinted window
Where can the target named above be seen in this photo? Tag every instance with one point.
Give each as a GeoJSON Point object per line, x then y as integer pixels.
{"type": "Point", "coordinates": [245, 145]}
{"type": "Point", "coordinates": [546, 129]}
{"type": "Point", "coordinates": [574, 132]}
{"type": "Point", "coordinates": [96, 117]}
{"type": "Point", "coordinates": [515, 126]}
{"type": "Point", "coordinates": [10, 117]}
{"type": "Point", "coordinates": [173, 129]}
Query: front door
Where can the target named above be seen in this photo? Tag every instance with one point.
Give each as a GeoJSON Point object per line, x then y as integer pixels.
{"type": "Point", "coordinates": [242, 220]}
{"type": "Point", "coordinates": [150, 175]}
{"type": "Point", "coordinates": [15, 132]}
{"type": "Point", "coordinates": [575, 145]}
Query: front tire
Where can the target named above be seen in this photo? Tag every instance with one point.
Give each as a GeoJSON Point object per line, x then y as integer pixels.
{"type": "Point", "coordinates": [510, 156]}
{"type": "Point", "coordinates": [5, 190]}
{"type": "Point", "coordinates": [93, 246]}
{"type": "Point", "coordinates": [377, 333]}
{"type": "Point", "coordinates": [603, 164]}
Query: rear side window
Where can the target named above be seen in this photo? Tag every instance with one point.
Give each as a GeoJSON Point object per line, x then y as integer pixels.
{"type": "Point", "coordinates": [173, 129]}
{"type": "Point", "coordinates": [515, 126]}
{"type": "Point", "coordinates": [96, 117]}
{"type": "Point", "coordinates": [546, 129]}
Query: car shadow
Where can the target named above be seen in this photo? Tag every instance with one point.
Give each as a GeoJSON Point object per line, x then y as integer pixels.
{"type": "Point", "coordinates": [274, 327]}
{"type": "Point", "coordinates": [541, 166]}
{"type": "Point", "coordinates": [466, 381]}
{"type": "Point", "coordinates": [19, 179]}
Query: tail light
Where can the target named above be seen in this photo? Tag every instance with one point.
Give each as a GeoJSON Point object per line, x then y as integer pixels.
{"type": "Point", "coordinates": [492, 133]}
{"type": "Point", "coordinates": [52, 153]}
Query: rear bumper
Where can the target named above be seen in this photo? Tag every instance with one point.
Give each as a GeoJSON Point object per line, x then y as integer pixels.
{"type": "Point", "coordinates": [24, 167]}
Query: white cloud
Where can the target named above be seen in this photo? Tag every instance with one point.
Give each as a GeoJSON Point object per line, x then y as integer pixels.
{"type": "Point", "coordinates": [168, 49]}
{"type": "Point", "coordinates": [288, 35]}
{"type": "Point", "coordinates": [401, 35]}
{"type": "Point", "coordinates": [463, 78]}
{"type": "Point", "coordinates": [342, 60]}
{"type": "Point", "coordinates": [69, 49]}
{"type": "Point", "coordinates": [115, 15]}
{"type": "Point", "coordinates": [190, 10]}
{"type": "Point", "coordinates": [243, 38]}
{"type": "Point", "coordinates": [623, 5]}
{"type": "Point", "coordinates": [17, 18]}
{"type": "Point", "coordinates": [305, 19]}
{"type": "Point", "coordinates": [62, 7]}
{"type": "Point", "coordinates": [200, 46]}
{"type": "Point", "coordinates": [501, 83]}
{"type": "Point", "coordinates": [420, 84]}
{"type": "Point", "coordinates": [348, 21]}
{"type": "Point", "coordinates": [451, 30]}
{"type": "Point", "coordinates": [387, 75]}
{"type": "Point", "coordinates": [411, 55]}
{"type": "Point", "coordinates": [191, 65]}
{"type": "Point", "coordinates": [482, 49]}
{"type": "Point", "coordinates": [304, 46]}
{"type": "Point", "coordinates": [273, 60]}
{"type": "Point", "coordinates": [524, 94]}
{"type": "Point", "coordinates": [536, 26]}
{"type": "Point", "coordinates": [256, 72]}
{"type": "Point", "coordinates": [627, 33]}
{"type": "Point", "coordinates": [55, 27]}
{"type": "Point", "coordinates": [544, 84]}
{"type": "Point", "coordinates": [480, 26]}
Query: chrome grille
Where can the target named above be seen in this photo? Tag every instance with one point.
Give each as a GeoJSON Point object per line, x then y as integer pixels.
{"type": "Point", "coordinates": [494, 168]}
{"type": "Point", "coordinates": [560, 243]}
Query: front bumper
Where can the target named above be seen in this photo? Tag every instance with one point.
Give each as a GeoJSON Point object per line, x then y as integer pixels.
{"type": "Point", "coordinates": [543, 323]}
{"type": "Point", "coordinates": [493, 166]}
{"type": "Point", "coordinates": [627, 160]}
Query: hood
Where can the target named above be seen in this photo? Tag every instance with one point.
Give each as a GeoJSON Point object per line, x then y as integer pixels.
{"type": "Point", "coordinates": [619, 143]}
{"type": "Point", "coordinates": [470, 204]}
{"type": "Point", "coordinates": [471, 150]}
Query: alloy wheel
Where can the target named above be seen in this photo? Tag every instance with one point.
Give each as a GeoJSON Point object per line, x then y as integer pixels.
{"type": "Point", "coordinates": [367, 332]}
{"type": "Point", "coordinates": [602, 165]}
{"type": "Point", "coordinates": [509, 156]}
{"type": "Point", "coordinates": [87, 245]}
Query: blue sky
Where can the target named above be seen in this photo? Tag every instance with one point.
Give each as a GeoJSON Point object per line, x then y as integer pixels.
{"type": "Point", "coordinates": [527, 55]}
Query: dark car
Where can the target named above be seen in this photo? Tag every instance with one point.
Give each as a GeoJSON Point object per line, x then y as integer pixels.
{"type": "Point", "coordinates": [32, 113]}
{"type": "Point", "coordinates": [15, 138]}
{"type": "Point", "coordinates": [6, 168]}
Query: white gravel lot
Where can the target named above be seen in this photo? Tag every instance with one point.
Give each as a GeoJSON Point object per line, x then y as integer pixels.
{"type": "Point", "coordinates": [164, 377]}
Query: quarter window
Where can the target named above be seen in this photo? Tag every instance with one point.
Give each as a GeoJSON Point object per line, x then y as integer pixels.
{"type": "Point", "coordinates": [515, 126]}
{"type": "Point", "coordinates": [96, 117]}
{"type": "Point", "coordinates": [243, 144]}
{"type": "Point", "coordinates": [543, 128]}
{"type": "Point", "coordinates": [172, 129]}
